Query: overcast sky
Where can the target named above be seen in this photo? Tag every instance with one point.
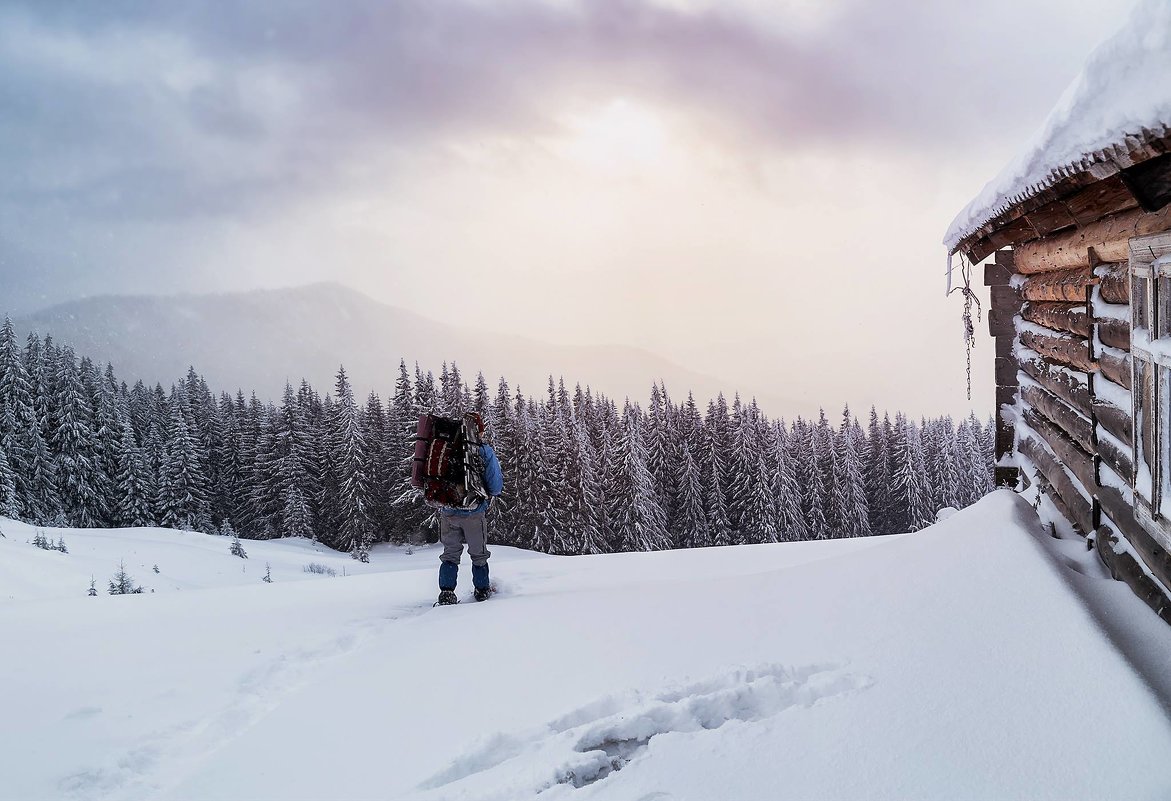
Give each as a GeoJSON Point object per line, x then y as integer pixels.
{"type": "Point", "coordinates": [756, 189]}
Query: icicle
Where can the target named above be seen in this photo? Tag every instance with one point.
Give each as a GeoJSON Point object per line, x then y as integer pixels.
{"type": "Point", "coordinates": [949, 268]}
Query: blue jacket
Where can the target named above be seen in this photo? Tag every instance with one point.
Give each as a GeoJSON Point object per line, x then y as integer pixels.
{"type": "Point", "coordinates": [493, 483]}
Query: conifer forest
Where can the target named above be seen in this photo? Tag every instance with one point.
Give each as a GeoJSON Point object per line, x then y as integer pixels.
{"type": "Point", "coordinates": [583, 473]}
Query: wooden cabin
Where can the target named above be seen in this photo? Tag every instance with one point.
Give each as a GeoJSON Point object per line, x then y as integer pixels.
{"type": "Point", "coordinates": [1077, 234]}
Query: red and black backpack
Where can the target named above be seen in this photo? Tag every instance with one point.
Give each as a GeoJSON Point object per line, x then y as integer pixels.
{"type": "Point", "coordinates": [447, 467]}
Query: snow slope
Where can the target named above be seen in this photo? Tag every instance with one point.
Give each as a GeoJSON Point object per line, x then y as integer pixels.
{"type": "Point", "coordinates": [958, 662]}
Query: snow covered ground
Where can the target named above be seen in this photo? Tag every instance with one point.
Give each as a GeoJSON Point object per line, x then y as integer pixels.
{"type": "Point", "coordinates": [962, 662]}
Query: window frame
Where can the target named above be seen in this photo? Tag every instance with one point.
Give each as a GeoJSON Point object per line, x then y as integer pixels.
{"type": "Point", "coordinates": [1150, 349]}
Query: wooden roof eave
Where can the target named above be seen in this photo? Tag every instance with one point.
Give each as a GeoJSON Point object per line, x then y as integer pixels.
{"type": "Point", "coordinates": [1096, 187]}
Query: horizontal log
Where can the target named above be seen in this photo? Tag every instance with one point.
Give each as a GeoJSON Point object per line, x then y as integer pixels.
{"type": "Point", "coordinates": [1012, 232]}
{"type": "Point", "coordinates": [1114, 333]}
{"type": "Point", "coordinates": [1067, 285]}
{"type": "Point", "coordinates": [1109, 238]}
{"type": "Point", "coordinates": [1051, 218]}
{"type": "Point", "coordinates": [1117, 421]}
{"type": "Point", "coordinates": [1085, 203]}
{"type": "Point", "coordinates": [1072, 390]}
{"type": "Point", "coordinates": [1079, 463]}
{"type": "Point", "coordinates": [1061, 349]}
{"type": "Point", "coordinates": [1116, 459]}
{"type": "Point", "coordinates": [1106, 197]}
{"type": "Point", "coordinates": [1114, 284]}
{"type": "Point", "coordinates": [1061, 316]}
{"type": "Point", "coordinates": [1116, 368]}
{"type": "Point", "coordinates": [1125, 568]}
{"type": "Point", "coordinates": [1069, 502]}
{"type": "Point", "coordinates": [1078, 428]}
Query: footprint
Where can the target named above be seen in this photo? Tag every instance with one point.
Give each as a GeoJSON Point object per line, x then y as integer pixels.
{"type": "Point", "coordinates": [595, 741]}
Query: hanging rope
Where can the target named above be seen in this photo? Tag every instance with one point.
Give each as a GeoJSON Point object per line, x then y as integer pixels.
{"type": "Point", "coordinates": [970, 300]}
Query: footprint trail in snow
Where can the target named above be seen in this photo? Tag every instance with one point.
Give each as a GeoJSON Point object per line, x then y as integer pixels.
{"type": "Point", "coordinates": [595, 741]}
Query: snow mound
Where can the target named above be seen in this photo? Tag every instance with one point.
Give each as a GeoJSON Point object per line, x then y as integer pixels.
{"type": "Point", "coordinates": [1123, 91]}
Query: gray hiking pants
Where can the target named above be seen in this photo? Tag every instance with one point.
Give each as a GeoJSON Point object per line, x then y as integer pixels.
{"type": "Point", "coordinates": [455, 531]}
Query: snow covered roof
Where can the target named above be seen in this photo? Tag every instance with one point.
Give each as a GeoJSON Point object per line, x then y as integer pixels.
{"type": "Point", "coordinates": [1118, 104]}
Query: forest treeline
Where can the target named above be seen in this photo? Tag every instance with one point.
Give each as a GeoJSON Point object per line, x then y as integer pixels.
{"type": "Point", "coordinates": [582, 474]}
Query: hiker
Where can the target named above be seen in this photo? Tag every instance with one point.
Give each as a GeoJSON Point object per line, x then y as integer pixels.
{"type": "Point", "coordinates": [459, 526]}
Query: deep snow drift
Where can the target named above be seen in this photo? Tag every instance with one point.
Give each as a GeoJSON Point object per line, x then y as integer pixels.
{"type": "Point", "coordinates": [959, 662]}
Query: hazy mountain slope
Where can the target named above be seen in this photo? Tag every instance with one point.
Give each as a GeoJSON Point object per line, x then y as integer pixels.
{"type": "Point", "coordinates": [258, 340]}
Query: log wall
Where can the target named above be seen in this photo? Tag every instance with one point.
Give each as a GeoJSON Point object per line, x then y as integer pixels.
{"type": "Point", "coordinates": [1060, 316]}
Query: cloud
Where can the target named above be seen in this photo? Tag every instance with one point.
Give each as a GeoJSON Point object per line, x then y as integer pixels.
{"type": "Point", "coordinates": [203, 108]}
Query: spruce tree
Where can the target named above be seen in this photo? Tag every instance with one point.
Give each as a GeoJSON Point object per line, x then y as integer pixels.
{"type": "Point", "coordinates": [790, 513]}
{"type": "Point", "coordinates": [19, 431]}
{"type": "Point", "coordinates": [877, 475]}
{"type": "Point", "coordinates": [132, 490]}
{"type": "Point", "coordinates": [9, 502]}
{"type": "Point", "coordinates": [178, 487]}
{"type": "Point", "coordinates": [849, 493]}
{"type": "Point", "coordinates": [822, 439]}
{"type": "Point", "coordinates": [72, 441]}
{"type": "Point", "coordinates": [691, 525]}
{"type": "Point", "coordinates": [911, 494]}
{"type": "Point", "coordinates": [348, 445]}
{"type": "Point", "coordinates": [122, 583]}
{"type": "Point", "coordinates": [638, 519]}
{"type": "Point", "coordinates": [583, 492]}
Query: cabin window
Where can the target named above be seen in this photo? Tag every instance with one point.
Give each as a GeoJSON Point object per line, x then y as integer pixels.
{"type": "Point", "coordinates": [1150, 338]}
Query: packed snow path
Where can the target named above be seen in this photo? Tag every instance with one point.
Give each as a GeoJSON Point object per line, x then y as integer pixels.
{"type": "Point", "coordinates": [959, 662]}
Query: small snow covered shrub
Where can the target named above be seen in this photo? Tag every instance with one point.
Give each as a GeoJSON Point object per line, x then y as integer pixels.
{"type": "Point", "coordinates": [267, 573]}
{"type": "Point", "coordinates": [122, 583]}
{"type": "Point", "coordinates": [43, 542]}
{"type": "Point", "coordinates": [236, 548]}
{"type": "Point", "coordinates": [60, 546]}
{"type": "Point", "coordinates": [320, 569]}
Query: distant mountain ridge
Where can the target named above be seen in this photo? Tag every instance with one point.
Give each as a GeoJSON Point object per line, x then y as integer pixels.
{"type": "Point", "coordinates": [258, 340]}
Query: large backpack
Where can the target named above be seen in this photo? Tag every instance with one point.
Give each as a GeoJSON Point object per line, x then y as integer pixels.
{"type": "Point", "coordinates": [447, 467]}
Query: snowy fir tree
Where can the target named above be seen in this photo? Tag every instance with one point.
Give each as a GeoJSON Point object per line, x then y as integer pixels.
{"type": "Point", "coordinates": [93, 587]}
{"type": "Point", "coordinates": [236, 549]}
{"type": "Point", "coordinates": [849, 494]}
{"type": "Point", "coordinates": [9, 500]}
{"type": "Point", "coordinates": [122, 583]}
{"type": "Point", "coordinates": [582, 474]}
{"type": "Point", "coordinates": [348, 463]}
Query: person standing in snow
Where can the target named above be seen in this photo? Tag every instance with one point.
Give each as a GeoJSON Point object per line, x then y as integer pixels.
{"type": "Point", "coordinates": [458, 527]}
